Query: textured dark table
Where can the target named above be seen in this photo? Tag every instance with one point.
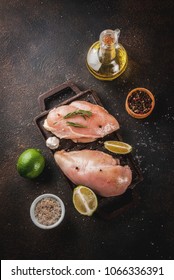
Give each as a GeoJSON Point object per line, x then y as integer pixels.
{"type": "Point", "coordinates": [43, 44]}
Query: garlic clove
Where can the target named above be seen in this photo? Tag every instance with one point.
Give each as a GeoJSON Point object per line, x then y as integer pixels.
{"type": "Point", "coordinates": [52, 143]}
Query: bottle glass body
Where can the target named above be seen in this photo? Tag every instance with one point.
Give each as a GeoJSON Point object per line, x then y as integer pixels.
{"type": "Point", "coordinates": [107, 59]}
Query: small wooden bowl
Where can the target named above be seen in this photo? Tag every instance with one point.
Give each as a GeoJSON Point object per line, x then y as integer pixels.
{"type": "Point", "coordinates": [139, 115]}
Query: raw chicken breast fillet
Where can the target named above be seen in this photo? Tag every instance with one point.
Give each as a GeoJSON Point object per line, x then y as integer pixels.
{"type": "Point", "coordinates": [99, 124]}
{"type": "Point", "coordinates": [95, 169]}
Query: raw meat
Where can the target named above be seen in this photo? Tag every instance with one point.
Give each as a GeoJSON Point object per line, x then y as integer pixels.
{"type": "Point", "coordinates": [95, 169]}
{"type": "Point", "coordinates": [97, 125]}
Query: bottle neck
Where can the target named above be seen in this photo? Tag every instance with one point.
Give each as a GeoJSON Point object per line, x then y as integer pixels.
{"type": "Point", "coordinates": [107, 54]}
{"type": "Point", "coordinates": [107, 51]}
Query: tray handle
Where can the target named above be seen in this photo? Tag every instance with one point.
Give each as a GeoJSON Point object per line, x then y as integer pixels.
{"type": "Point", "coordinates": [44, 97]}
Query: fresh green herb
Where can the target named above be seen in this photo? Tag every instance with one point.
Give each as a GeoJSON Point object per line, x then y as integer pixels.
{"type": "Point", "coordinates": [85, 114]}
{"type": "Point", "coordinates": [76, 124]}
{"type": "Point", "coordinates": [54, 123]}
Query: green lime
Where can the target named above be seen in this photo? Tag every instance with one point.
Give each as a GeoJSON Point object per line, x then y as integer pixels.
{"type": "Point", "coordinates": [30, 163]}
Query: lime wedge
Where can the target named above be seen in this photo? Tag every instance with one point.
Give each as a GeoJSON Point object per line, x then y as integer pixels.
{"type": "Point", "coordinates": [118, 147]}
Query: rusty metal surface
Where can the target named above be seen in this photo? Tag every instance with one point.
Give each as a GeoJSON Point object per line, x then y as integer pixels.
{"type": "Point", "coordinates": [43, 44]}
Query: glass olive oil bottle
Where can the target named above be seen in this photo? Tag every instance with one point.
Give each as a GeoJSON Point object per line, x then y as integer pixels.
{"type": "Point", "coordinates": [106, 58]}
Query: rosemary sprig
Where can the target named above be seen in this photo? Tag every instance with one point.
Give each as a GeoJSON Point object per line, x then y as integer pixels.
{"type": "Point", "coordinates": [85, 114]}
{"type": "Point", "coordinates": [76, 124]}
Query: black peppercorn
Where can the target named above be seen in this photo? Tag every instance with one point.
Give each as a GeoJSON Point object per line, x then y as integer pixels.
{"type": "Point", "coordinates": [140, 102]}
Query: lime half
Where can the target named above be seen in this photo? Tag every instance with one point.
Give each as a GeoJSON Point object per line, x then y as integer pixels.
{"type": "Point", "coordinates": [84, 200]}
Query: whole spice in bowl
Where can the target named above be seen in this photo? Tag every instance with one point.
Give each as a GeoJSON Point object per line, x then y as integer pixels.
{"type": "Point", "coordinates": [47, 211]}
{"type": "Point", "coordinates": [140, 103]}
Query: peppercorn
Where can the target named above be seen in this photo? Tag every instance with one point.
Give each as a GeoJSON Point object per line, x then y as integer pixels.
{"type": "Point", "coordinates": [140, 102]}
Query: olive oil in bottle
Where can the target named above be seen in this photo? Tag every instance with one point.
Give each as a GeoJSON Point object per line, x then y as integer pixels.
{"type": "Point", "coordinates": [106, 58]}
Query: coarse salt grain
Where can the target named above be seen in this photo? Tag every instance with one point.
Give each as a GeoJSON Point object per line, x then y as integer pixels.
{"type": "Point", "coordinates": [48, 211]}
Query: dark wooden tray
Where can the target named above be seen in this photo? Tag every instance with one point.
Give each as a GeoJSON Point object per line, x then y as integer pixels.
{"type": "Point", "coordinates": [65, 94]}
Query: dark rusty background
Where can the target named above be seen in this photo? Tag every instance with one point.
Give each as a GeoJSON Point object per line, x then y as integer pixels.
{"type": "Point", "coordinates": [43, 44]}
